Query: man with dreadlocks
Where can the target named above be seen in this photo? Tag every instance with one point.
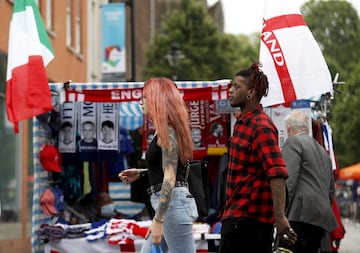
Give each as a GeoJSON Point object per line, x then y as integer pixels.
{"type": "Point", "coordinates": [255, 188]}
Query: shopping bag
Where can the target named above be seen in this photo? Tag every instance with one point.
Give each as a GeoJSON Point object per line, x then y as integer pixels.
{"type": "Point", "coordinates": [156, 249]}
{"type": "Point", "coordinates": [282, 250]}
{"type": "Point", "coordinates": [280, 247]}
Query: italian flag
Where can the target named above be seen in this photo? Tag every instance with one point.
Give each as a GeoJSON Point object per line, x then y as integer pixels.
{"type": "Point", "coordinates": [27, 89]}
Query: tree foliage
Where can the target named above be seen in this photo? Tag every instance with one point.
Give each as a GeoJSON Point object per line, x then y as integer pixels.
{"type": "Point", "coordinates": [336, 26]}
{"type": "Point", "coordinates": [209, 54]}
{"type": "Point", "coordinates": [346, 123]}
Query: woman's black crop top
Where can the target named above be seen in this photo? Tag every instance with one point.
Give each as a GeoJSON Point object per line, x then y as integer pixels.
{"type": "Point", "coordinates": [154, 162]}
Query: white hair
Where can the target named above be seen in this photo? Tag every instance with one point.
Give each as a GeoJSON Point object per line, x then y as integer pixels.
{"type": "Point", "coordinates": [298, 121]}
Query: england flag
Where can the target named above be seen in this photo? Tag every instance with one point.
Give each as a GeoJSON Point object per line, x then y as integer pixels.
{"type": "Point", "coordinates": [290, 55]}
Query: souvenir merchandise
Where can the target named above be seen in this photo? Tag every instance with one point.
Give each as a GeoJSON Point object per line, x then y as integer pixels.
{"type": "Point", "coordinates": [52, 201]}
{"type": "Point", "coordinates": [50, 158]}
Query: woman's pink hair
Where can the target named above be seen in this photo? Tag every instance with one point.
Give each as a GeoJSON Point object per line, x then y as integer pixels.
{"type": "Point", "coordinates": [166, 107]}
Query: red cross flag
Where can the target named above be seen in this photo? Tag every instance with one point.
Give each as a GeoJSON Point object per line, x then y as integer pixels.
{"type": "Point", "coordinates": [290, 56]}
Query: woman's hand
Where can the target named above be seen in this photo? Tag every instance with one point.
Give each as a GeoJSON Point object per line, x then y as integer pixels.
{"type": "Point", "coordinates": [155, 231]}
{"type": "Point", "coordinates": [129, 175]}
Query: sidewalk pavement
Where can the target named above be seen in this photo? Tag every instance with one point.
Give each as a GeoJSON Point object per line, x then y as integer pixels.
{"type": "Point", "coordinates": [351, 241]}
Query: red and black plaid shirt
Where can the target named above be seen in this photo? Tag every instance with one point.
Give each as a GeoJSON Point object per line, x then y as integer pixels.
{"type": "Point", "coordinates": [255, 158]}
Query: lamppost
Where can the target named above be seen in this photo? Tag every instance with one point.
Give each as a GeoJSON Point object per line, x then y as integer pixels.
{"type": "Point", "coordinates": [173, 57]}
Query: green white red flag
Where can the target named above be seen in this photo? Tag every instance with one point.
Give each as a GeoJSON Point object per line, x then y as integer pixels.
{"type": "Point", "coordinates": [27, 88]}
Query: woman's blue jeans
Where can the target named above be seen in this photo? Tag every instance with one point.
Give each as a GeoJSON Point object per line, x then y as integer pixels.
{"type": "Point", "coordinates": [178, 223]}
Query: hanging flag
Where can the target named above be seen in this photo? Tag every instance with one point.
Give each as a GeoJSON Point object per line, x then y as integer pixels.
{"type": "Point", "coordinates": [27, 89]}
{"type": "Point", "coordinates": [218, 92]}
{"type": "Point", "coordinates": [291, 58]}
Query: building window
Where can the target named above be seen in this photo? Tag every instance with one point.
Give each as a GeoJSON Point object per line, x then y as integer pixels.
{"type": "Point", "coordinates": [49, 15]}
{"type": "Point", "coordinates": [78, 30]}
{"type": "Point", "coordinates": [69, 22]}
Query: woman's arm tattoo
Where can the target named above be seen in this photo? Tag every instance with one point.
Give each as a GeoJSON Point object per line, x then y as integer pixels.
{"type": "Point", "coordinates": [169, 162]}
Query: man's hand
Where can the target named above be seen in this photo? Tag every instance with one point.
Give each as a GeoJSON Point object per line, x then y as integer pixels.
{"type": "Point", "coordinates": [285, 232]}
{"type": "Point", "coordinates": [282, 224]}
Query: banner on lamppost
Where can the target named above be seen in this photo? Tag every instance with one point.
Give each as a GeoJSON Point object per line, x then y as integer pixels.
{"type": "Point", "coordinates": [113, 42]}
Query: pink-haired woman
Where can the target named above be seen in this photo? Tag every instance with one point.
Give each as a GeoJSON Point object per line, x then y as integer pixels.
{"type": "Point", "coordinates": [172, 145]}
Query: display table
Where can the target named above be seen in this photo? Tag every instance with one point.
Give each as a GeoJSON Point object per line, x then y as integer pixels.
{"type": "Point", "coordinates": [119, 236]}
{"type": "Point", "coordinates": [81, 245]}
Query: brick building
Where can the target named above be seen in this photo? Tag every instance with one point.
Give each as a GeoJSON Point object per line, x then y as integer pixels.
{"type": "Point", "coordinates": [74, 29]}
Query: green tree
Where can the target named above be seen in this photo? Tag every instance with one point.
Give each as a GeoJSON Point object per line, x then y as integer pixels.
{"type": "Point", "coordinates": [209, 54]}
{"type": "Point", "coordinates": [248, 49]}
{"type": "Point", "coordinates": [346, 123]}
{"type": "Point", "coordinates": [336, 26]}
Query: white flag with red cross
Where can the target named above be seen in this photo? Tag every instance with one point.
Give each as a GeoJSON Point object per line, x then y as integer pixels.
{"type": "Point", "coordinates": [291, 57]}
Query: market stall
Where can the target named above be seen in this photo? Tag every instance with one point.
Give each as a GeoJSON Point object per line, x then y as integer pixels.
{"type": "Point", "coordinates": [211, 118]}
{"type": "Point", "coordinates": [122, 99]}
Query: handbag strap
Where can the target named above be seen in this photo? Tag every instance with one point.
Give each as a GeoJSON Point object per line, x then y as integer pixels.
{"type": "Point", "coordinates": [187, 170]}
